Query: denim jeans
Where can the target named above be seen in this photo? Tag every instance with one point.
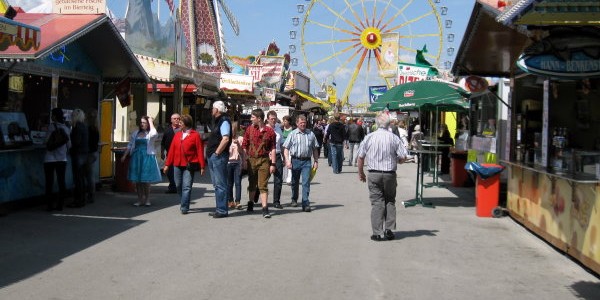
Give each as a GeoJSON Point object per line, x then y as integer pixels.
{"type": "Point", "coordinates": [337, 157]}
{"type": "Point", "coordinates": [217, 166]}
{"type": "Point", "coordinates": [301, 167]}
{"type": "Point", "coordinates": [352, 146]}
{"type": "Point", "coordinates": [234, 179]}
{"type": "Point", "coordinates": [278, 179]}
{"type": "Point", "coordinates": [184, 180]}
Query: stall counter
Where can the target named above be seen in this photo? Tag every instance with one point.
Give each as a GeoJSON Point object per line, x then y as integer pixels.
{"type": "Point", "coordinates": [22, 173]}
{"type": "Point", "coordinates": [562, 209]}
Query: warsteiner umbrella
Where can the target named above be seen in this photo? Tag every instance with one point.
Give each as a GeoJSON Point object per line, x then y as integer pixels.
{"type": "Point", "coordinates": [423, 95]}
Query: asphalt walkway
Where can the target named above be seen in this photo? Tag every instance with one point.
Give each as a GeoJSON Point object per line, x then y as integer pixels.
{"type": "Point", "coordinates": [112, 250]}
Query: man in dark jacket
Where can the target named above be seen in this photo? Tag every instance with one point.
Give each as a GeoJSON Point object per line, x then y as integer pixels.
{"type": "Point", "coordinates": [355, 136]}
{"type": "Point", "coordinates": [165, 144]}
{"type": "Point", "coordinates": [335, 136]}
{"type": "Point", "coordinates": [217, 151]}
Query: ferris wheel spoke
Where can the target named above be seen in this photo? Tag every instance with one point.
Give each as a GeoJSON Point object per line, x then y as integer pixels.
{"type": "Point", "coordinates": [355, 14]}
{"type": "Point", "coordinates": [385, 10]}
{"type": "Point", "coordinates": [395, 16]}
{"type": "Point", "coordinates": [333, 41]}
{"type": "Point", "coordinates": [346, 62]}
{"type": "Point", "coordinates": [410, 21]}
{"type": "Point", "coordinates": [353, 78]}
{"type": "Point", "coordinates": [334, 55]}
{"type": "Point", "coordinates": [374, 13]}
{"type": "Point", "coordinates": [332, 27]}
{"type": "Point", "coordinates": [365, 15]}
{"type": "Point", "coordinates": [335, 13]}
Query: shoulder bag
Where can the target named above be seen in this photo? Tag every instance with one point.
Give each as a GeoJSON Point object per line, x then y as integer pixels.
{"type": "Point", "coordinates": [190, 166]}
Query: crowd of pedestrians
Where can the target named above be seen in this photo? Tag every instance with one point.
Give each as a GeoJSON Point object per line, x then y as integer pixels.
{"type": "Point", "coordinates": [267, 147]}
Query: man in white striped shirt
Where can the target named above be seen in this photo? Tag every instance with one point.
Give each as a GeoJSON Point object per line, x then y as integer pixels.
{"type": "Point", "coordinates": [383, 150]}
{"type": "Point", "coordinates": [299, 147]}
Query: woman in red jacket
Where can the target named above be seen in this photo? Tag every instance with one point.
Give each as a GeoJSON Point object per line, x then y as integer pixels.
{"type": "Point", "coordinates": [186, 151]}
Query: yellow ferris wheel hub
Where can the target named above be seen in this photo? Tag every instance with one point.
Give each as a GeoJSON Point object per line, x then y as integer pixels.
{"type": "Point", "coordinates": [370, 38]}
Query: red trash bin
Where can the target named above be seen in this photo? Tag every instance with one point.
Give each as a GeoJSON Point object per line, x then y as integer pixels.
{"type": "Point", "coordinates": [487, 193]}
{"type": "Point", "coordinates": [121, 183]}
{"type": "Point", "coordinates": [458, 174]}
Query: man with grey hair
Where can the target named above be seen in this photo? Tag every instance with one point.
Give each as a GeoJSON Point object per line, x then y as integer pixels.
{"type": "Point", "coordinates": [217, 151]}
{"type": "Point", "coordinates": [383, 150]}
{"type": "Point", "coordinates": [299, 148]}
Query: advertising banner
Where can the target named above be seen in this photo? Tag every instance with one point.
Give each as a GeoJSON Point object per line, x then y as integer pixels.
{"type": "Point", "coordinates": [255, 71]}
{"type": "Point", "coordinates": [409, 73]}
{"type": "Point", "coordinates": [79, 7]}
{"type": "Point", "coordinates": [236, 82]}
{"type": "Point", "coordinates": [269, 94]}
{"type": "Point", "coordinates": [389, 54]}
{"type": "Point", "coordinates": [272, 69]}
{"type": "Point", "coordinates": [376, 91]}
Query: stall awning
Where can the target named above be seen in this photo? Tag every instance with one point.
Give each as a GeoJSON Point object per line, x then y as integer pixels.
{"type": "Point", "coordinates": [488, 47]}
{"type": "Point", "coordinates": [312, 99]}
{"type": "Point", "coordinates": [96, 35]}
{"type": "Point", "coordinates": [552, 13]}
{"type": "Point", "coordinates": [22, 35]}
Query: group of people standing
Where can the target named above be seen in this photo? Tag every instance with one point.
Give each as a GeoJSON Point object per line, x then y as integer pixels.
{"type": "Point", "coordinates": [263, 150]}
{"type": "Point", "coordinates": [82, 145]}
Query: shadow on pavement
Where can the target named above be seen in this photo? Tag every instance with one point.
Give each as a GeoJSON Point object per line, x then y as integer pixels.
{"type": "Point", "coordinates": [414, 233]}
{"type": "Point", "coordinates": [451, 201]}
{"type": "Point", "coordinates": [35, 241]}
{"type": "Point", "coordinates": [585, 289]}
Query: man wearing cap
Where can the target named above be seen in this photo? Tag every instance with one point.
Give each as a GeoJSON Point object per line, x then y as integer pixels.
{"type": "Point", "coordinates": [217, 150]}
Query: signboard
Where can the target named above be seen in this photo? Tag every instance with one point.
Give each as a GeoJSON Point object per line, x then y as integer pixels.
{"type": "Point", "coordinates": [332, 94]}
{"type": "Point", "coordinates": [7, 28]}
{"type": "Point", "coordinates": [578, 65]}
{"type": "Point", "coordinates": [255, 71]}
{"type": "Point", "coordinates": [15, 83]}
{"type": "Point", "coordinates": [409, 73]}
{"type": "Point", "coordinates": [376, 91]}
{"type": "Point", "coordinates": [78, 7]}
{"type": "Point", "coordinates": [389, 53]}
{"type": "Point", "coordinates": [236, 82]}
{"type": "Point", "coordinates": [269, 94]}
{"type": "Point", "coordinates": [272, 69]}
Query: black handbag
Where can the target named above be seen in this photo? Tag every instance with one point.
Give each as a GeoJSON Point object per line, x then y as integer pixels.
{"type": "Point", "coordinates": [190, 166]}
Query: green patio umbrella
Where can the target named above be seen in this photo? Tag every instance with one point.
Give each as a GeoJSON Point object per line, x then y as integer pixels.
{"type": "Point", "coordinates": [423, 95]}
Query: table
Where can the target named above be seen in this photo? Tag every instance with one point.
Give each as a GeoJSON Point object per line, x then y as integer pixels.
{"type": "Point", "coordinates": [419, 189]}
{"type": "Point", "coordinates": [435, 147]}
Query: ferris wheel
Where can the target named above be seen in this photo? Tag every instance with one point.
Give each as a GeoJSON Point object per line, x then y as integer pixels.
{"type": "Point", "coordinates": [343, 40]}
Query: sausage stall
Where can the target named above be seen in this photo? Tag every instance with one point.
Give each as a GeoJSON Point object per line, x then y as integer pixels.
{"type": "Point", "coordinates": [552, 139]}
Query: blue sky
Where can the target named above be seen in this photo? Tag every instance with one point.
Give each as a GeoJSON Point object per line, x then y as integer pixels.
{"type": "Point", "coordinates": [263, 21]}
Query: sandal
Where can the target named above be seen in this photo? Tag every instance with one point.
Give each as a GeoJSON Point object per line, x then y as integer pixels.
{"type": "Point", "coordinates": [238, 205]}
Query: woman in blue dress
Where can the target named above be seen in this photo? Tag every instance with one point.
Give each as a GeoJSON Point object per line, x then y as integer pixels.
{"type": "Point", "coordinates": [143, 167]}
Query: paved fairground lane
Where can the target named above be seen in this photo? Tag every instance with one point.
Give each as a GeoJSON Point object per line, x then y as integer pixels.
{"type": "Point", "coordinates": [113, 250]}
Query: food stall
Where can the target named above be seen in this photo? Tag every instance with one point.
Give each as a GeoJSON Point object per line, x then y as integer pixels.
{"type": "Point", "coordinates": [550, 139]}
{"type": "Point", "coordinates": [67, 69]}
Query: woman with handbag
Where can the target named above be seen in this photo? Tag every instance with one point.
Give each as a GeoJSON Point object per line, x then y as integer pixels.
{"type": "Point", "coordinates": [143, 167]}
{"type": "Point", "coordinates": [55, 162]}
{"type": "Point", "coordinates": [186, 156]}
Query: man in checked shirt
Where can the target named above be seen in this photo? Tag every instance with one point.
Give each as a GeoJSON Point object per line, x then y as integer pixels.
{"type": "Point", "coordinates": [383, 150]}
{"type": "Point", "coordinates": [259, 147]}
